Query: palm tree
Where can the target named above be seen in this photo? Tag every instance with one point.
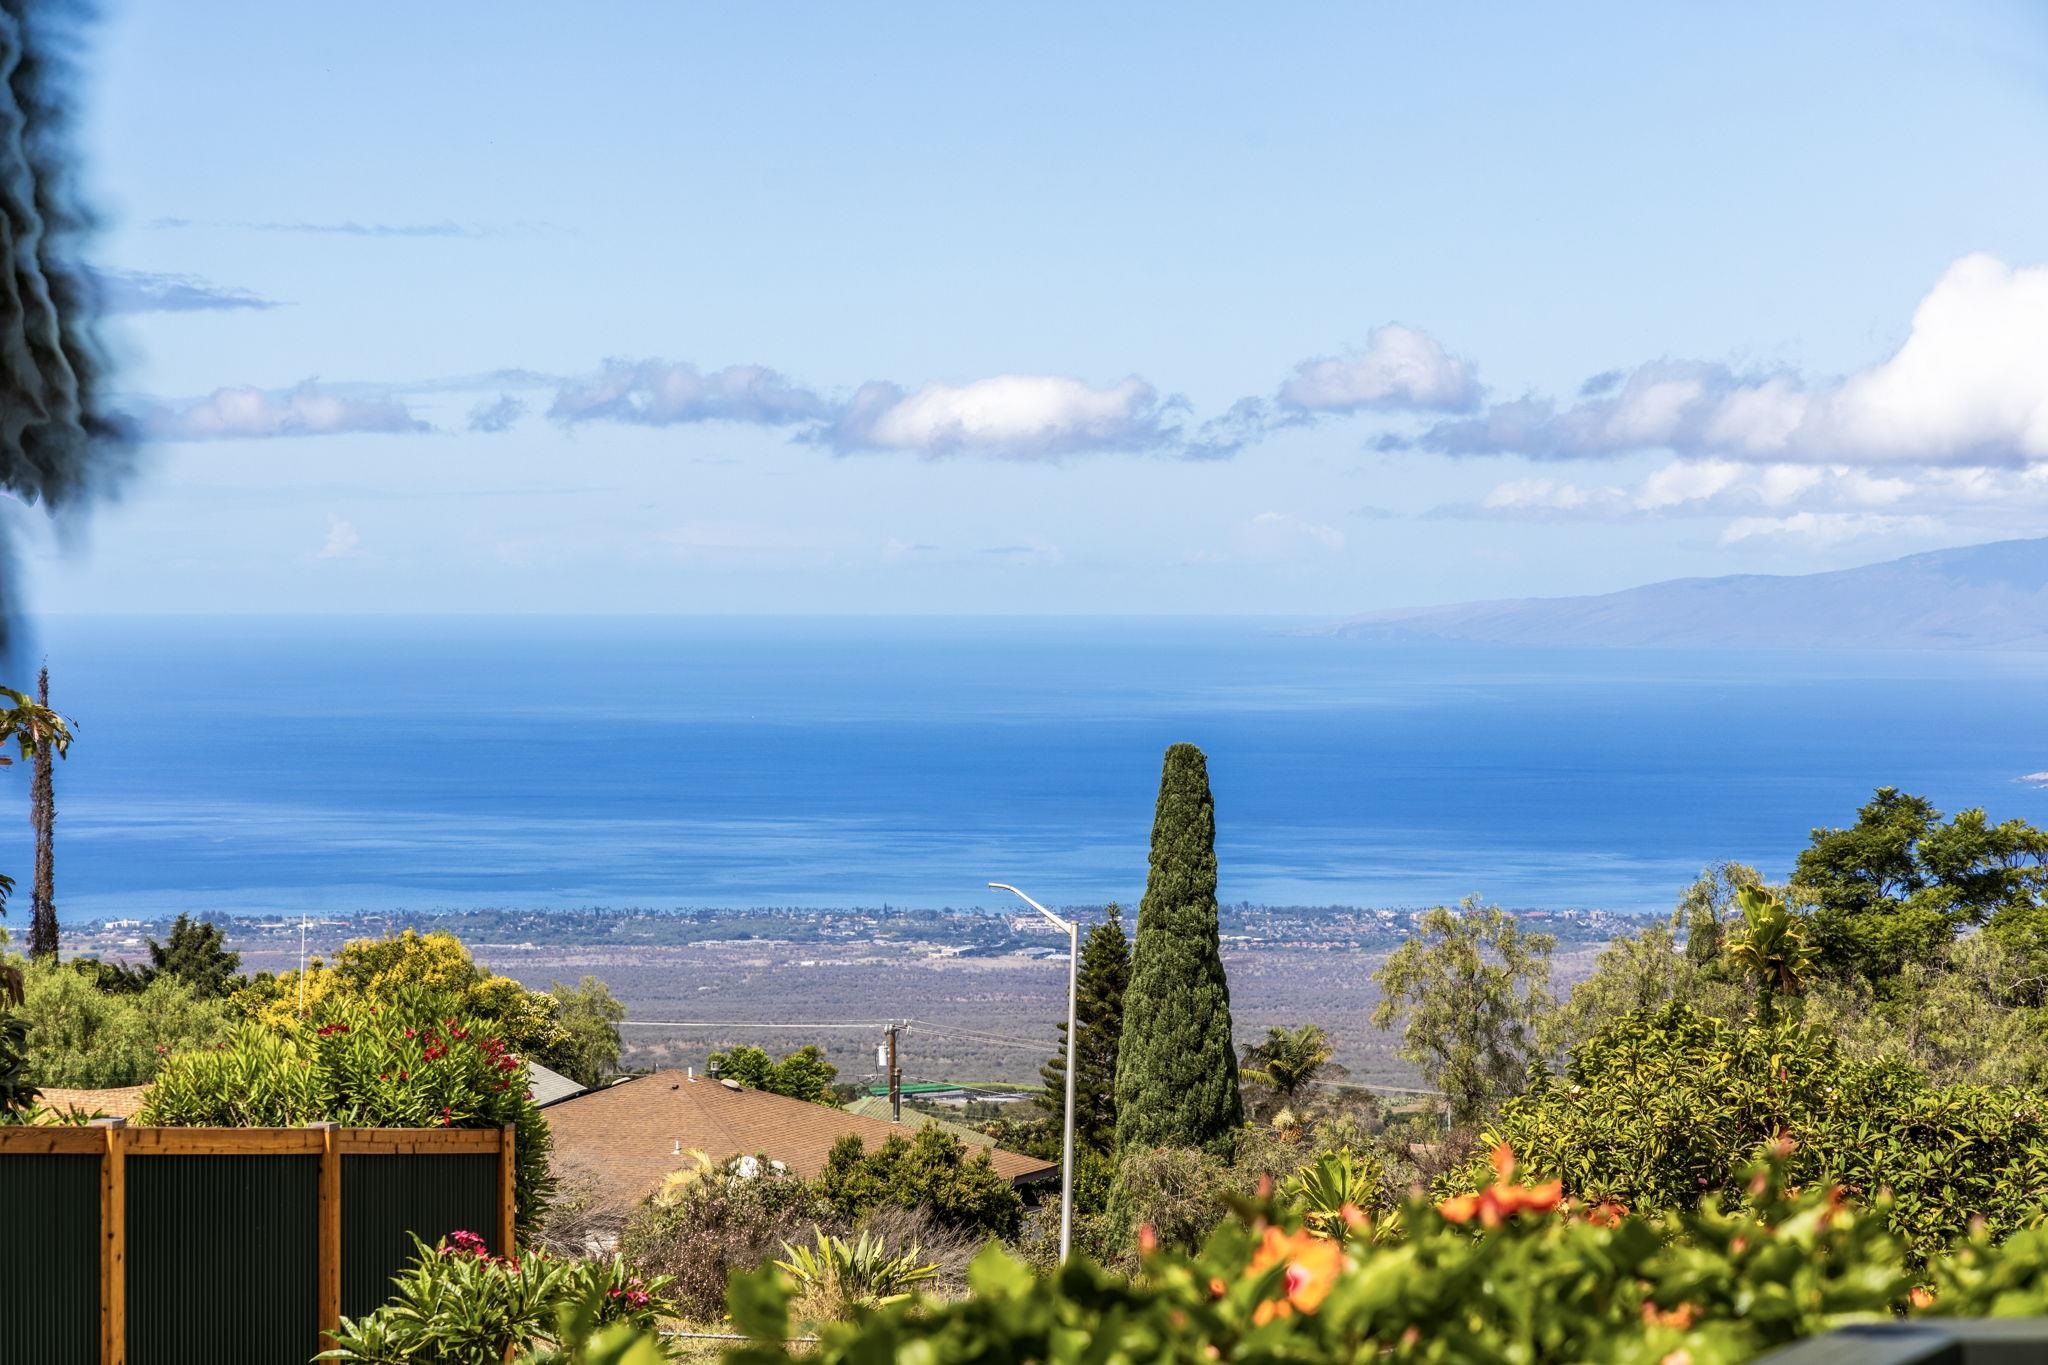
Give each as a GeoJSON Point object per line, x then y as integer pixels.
{"type": "Point", "coordinates": [1772, 943]}
{"type": "Point", "coordinates": [1290, 1061]}
{"type": "Point", "coordinates": [41, 735]}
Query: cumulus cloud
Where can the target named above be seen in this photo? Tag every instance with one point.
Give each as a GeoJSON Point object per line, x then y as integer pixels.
{"type": "Point", "coordinates": [493, 416]}
{"type": "Point", "coordinates": [1012, 416]}
{"type": "Point", "coordinates": [308, 410]}
{"type": "Point", "coordinates": [150, 291]}
{"type": "Point", "coordinates": [1399, 369]}
{"type": "Point", "coordinates": [663, 393]}
{"type": "Point", "coordinates": [1967, 387]}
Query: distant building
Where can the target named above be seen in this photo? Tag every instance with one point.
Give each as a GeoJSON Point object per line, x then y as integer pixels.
{"type": "Point", "coordinates": [550, 1087]}
{"type": "Point", "coordinates": [629, 1136]}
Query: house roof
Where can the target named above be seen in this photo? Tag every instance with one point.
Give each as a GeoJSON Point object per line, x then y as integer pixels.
{"type": "Point", "coordinates": [122, 1102]}
{"type": "Point", "coordinates": [550, 1087]}
{"type": "Point", "coordinates": [630, 1135]}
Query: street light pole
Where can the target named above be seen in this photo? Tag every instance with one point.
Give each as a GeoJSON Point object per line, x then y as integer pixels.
{"type": "Point", "coordinates": [1073, 932]}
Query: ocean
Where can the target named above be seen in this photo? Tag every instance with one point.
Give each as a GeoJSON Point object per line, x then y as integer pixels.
{"type": "Point", "coordinates": [251, 765]}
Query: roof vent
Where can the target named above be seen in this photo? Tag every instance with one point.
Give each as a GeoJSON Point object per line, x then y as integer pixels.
{"type": "Point", "coordinates": [729, 1083]}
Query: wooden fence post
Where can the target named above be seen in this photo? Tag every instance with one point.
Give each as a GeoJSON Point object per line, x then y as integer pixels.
{"type": "Point", "coordinates": [330, 1233]}
{"type": "Point", "coordinates": [114, 1242]}
{"type": "Point", "coordinates": [507, 1188]}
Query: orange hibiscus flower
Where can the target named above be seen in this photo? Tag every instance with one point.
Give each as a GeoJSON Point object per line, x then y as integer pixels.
{"type": "Point", "coordinates": [1504, 1198]}
{"type": "Point", "coordinates": [1313, 1264]}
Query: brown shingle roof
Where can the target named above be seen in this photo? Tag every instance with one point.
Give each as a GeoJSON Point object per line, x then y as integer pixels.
{"type": "Point", "coordinates": [122, 1102]}
{"type": "Point", "coordinates": [627, 1134]}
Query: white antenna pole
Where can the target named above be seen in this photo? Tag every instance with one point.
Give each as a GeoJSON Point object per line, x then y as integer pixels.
{"type": "Point", "coordinates": [302, 964]}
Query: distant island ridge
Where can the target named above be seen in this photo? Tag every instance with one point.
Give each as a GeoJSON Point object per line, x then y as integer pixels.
{"type": "Point", "coordinates": [1992, 597]}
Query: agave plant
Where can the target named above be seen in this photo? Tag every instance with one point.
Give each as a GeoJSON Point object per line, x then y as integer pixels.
{"type": "Point", "coordinates": [1334, 1189]}
{"type": "Point", "coordinates": [841, 1275]}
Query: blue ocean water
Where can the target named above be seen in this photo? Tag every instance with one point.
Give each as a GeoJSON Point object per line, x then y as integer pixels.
{"type": "Point", "coordinates": [249, 765]}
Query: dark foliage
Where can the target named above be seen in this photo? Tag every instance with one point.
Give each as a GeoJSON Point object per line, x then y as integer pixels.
{"type": "Point", "coordinates": [1099, 985]}
{"type": "Point", "coordinates": [1176, 1079]}
{"type": "Point", "coordinates": [196, 953]}
{"type": "Point", "coordinates": [932, 1171]}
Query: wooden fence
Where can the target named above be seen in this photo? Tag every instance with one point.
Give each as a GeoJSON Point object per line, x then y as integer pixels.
{"type": "Point", "coordinates": [224, 1246]}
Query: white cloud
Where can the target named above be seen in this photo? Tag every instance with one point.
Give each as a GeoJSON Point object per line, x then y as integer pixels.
{"type": "Point", "coordinates": [1399, 370]}
{"type": "Point", "coordinates": [663, 393]}
{"type": "Point", "coordinates": [308, 410]}
{"type": "Point", "coordinates": [1969, 386]}
{"type": "Point", "coordinates": [1011, 416]}
{"type": "Point", "coordinates": [1822, 529]}
{"type": "Point", "coordinates": [1762, 497]}
{"type": "Point", "coordinates": [342, 541]}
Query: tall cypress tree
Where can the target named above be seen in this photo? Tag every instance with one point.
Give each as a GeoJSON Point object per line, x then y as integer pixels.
{"type": "Point", "coordinates": [1176, 1076]}
{"type": "Point", "coordinates": [1099, 1024]}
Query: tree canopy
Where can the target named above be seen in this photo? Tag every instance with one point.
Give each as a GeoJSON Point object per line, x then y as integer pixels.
{"type": "Point", "coordinates": [413, 963]}
{"type": "Point", "coordinates": [196, 953]}
{"type": "Point", "coordinates": [1899, 884]}
{"type": "Point", "coordinates": [1468, 991]}
{"type": "Point", "coordinates": [802, 1075]}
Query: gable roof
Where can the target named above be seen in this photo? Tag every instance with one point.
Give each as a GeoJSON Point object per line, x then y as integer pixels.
{"type": "Point", "coordinates": [550, 1087]}
{"type": "Point", "coordinates": [631, 1135]}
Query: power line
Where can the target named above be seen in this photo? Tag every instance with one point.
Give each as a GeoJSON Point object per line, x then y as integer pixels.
{"type": "Point", "coordinates": [746, 1023]}
{"type": "Point", "coordinates": [985, 1037]}
{"type": "Point", "coordinates": [1037, 1049]}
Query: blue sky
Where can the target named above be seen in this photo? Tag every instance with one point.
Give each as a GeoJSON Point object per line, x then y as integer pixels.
{"type": "Point", "coordinates": [1270, 309]}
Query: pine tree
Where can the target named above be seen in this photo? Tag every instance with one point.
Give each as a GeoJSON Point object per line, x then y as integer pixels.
{"type": "Point", "coordinates": [1099, 1020]}
{"type": "Point", "coordinates": [1176, 1076]}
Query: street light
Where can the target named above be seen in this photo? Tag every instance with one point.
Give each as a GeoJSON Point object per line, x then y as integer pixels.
{"type": "Point", "coordinates": [1073, 932]}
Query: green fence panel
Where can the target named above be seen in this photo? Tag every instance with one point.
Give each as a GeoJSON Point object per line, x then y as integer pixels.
{"type": "Point", "coordinates": [50, 1259]}
{"type": "Point", "coordinates": [223, 1259]}
{"type": "Point", "coordinates": [384, 1198]}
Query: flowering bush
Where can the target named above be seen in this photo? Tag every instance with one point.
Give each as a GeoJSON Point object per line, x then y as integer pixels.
{"type": "Point", "coordinates": [1662, 1109]}
{"type": "Point", "coordinates": [410, 1063]}
{"type": "Point", "coordinates": [1513, 1271]}
{"type": "Point", "coordinates": [460, 1305]}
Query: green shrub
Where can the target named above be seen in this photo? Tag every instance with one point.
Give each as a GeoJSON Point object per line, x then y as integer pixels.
{"type": "Point", "coordinates": [459, 1305]}
{"type": "Point", "coordinates": [1511, 1274]}
{"type": "Point", "coordinates": [17, 1096]}
{"type": "Point", "coordinates": [705, 1229]}
{"type": "Point", "coordinates": [406, 1065]}
{"type": "Point", "coordinates": [80, 1035]}
{"type": "Point", "coordinates": [931, 1171]}
{"type": "Point", "coordinates": [1179, 1193]}
{"type": "Point", "coordinates": [1660, 1111]}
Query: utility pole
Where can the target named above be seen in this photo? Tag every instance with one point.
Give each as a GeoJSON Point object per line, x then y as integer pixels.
{"type": "Point", "coordinates": [895, 1077]}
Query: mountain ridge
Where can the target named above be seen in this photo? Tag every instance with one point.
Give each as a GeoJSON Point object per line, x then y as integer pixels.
{"type": "Point", "coordinates": [1989, 596]}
